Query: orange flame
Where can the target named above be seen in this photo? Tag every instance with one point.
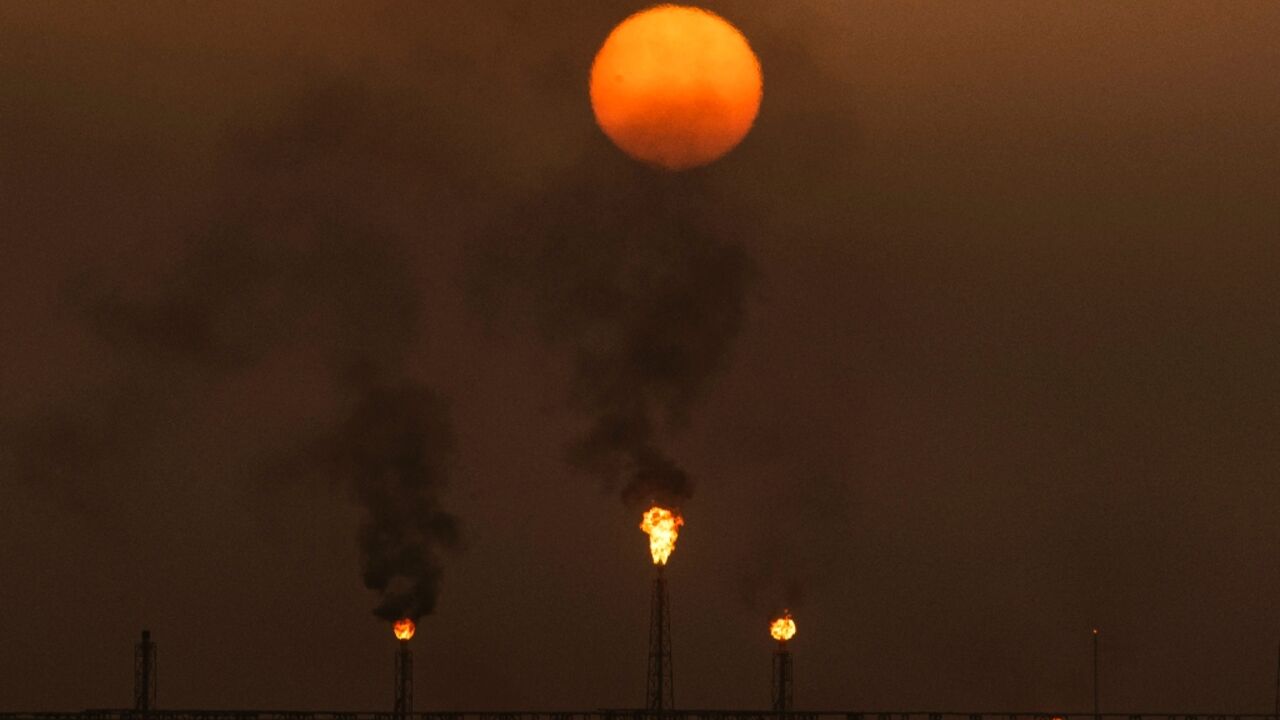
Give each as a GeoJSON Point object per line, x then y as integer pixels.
{"type": "Point", "coordinates": [663, 527]}
{"type": "Point", "coordinates": [404, 629]}
{"type": "Point", "coordinates": [784, 628]}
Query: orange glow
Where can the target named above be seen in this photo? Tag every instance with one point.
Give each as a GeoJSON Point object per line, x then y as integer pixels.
{"type": "Point", "coordinates": [783, 628]}
{"type": "Point", "coordinates": [675, 86]}
{"type": "Point", "coordinates": [663, 527]}
{"type": "Point", "coordinates": [404, 629]}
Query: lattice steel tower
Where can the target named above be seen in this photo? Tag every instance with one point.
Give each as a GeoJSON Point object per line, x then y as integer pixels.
{"type": "Point", "coordinates": [782, 678]}
{"type": "Point", "coordinates": [404, 680]}
{"type": "Point", "coordinates": [660, 693]}
{"type": "Point", "coordinates": [144, 673]}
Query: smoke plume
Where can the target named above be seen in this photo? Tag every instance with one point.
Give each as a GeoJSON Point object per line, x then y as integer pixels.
{"type": "Point", "coordinates": [397, 446]}
{"type": "Point", "coordinates": [631, 273]}
{"type": "Point", "coordinates": [288, 266]}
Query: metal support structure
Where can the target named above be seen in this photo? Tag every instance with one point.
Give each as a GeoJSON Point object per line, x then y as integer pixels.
{"type": "Point", "coordinates": [660, 692]}
{"type": "Point", "coordinates": [404, 680]}
{"type": "Point", "coordinates": [144, 673]}
{"type": "Point", "coordinates": [782, 679]}
{"type": "Point", "coordinates": [1096, 712]}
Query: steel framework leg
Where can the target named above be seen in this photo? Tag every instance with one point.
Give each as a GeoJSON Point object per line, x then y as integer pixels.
{"type": "Point", "coordinates": [782, 681]}
{"type": "Point", "coordinates": [404, 681]}
{"type": "Point", "coordinates": [144, 673]}
{"type": "Point", "coordinates": [660, 693]}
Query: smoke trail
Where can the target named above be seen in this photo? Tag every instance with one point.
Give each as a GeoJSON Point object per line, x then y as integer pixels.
{"type": "Point", "coordinates": [799, 531]}
{"type": "Point", "coordinates": [397, 447]}
{"type": "Point", "coordinates": [291, 262]}
{"type": "Point", "coordinates": [631, 273]}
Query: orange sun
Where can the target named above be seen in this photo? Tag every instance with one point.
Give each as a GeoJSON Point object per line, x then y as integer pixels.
{"type": "Point", "coordinates": [675, 86]}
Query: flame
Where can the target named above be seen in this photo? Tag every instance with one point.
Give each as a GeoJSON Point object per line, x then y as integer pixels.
{"type": "Point", "coordinates": [404, 629]}
{"type": "Point", "coordinates": [663, 527]}
{"type": "Point", "coordinates": [784, 628]}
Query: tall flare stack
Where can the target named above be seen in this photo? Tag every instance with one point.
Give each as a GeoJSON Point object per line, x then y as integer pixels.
{"type": "Point", "coordinates": [404, 630]}
{"type": "Point", "coordinates": [660, 689]}
{"type": "Point", "coordinates": [782, 629]}
{"type": "Point", "coordinates": [144, 673]}
{"type": "Point", "coordinates": [663, 527]}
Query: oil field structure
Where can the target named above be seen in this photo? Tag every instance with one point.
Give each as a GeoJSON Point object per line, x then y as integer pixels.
{"type": "Point", "coordinates": [782, 629]}
{"type": "Point", "coordinates": [663, 527]}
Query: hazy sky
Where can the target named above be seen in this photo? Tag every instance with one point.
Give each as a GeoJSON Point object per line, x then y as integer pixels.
{"type": "Point", "coordinates": [976, 337]}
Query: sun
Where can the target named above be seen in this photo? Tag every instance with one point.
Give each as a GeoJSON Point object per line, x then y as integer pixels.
{"type": "Point", "coordinates": [676, 86]}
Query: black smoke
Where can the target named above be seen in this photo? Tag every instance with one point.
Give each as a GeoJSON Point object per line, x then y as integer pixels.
{"type": "Point", "coordinates": [397, 447]}
{"type": "Point", "coordinates": [288, 258]}
{"type": "Point", "coordinates": [637, 276]}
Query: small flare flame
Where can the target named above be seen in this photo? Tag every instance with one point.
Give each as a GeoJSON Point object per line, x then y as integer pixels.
{"type": "Point", "coordinates": [784, 628]}
{"type": "Point", "coordinates": [663, 527]}
{"type": "Point", "coordinates": [404, 629]}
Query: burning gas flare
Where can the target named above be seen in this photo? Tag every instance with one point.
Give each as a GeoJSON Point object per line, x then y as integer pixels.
{"type": "Point", "coordinates": [663, 527]}
{"type": "Point", "coordinates": [784, 628]}
{"type": "Point", "coordinates": [404, 629]}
